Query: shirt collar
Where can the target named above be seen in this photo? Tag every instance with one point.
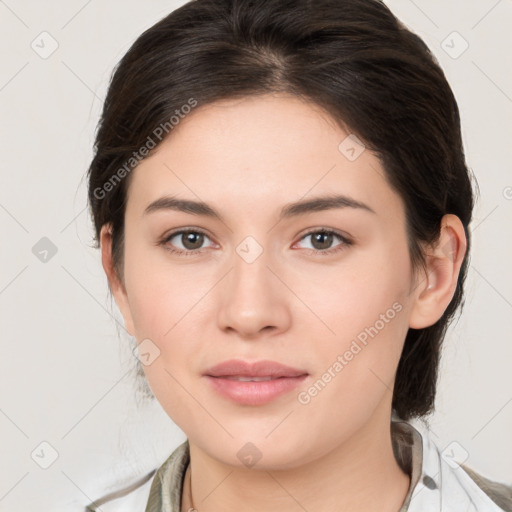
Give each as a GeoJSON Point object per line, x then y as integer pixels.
{"type": "Point", "coordinates": [442, 484]}
{"type": "Point", "coordinates": [167, 485]}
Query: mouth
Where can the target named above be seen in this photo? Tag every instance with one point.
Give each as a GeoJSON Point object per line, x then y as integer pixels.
{"type": "Point", "coordinates": [253, 383]}
{"type": "Point", "coordinates": [250, 379]}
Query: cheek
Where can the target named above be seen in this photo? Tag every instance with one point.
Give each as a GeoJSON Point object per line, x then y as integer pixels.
{"type": "Point", "coordinates": [366, 310]}
{"type": "Point", "coordinates": [164, 316]}
{"type": "Point", "coordinates": [355, 370]}
{"type": "Point", "coordinates": [354, 296]}
{"type": "Point", "coordinates": [164, 310]}
{"type": "Point", "coordinates": [155, 292]}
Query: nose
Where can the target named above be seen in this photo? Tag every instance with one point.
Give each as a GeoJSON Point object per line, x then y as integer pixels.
{"type": "Point", "coordinates": [253, 301]}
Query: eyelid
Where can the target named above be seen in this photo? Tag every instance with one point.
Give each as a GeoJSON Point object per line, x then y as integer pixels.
{"type": "Point", "coordinates": [185, 229]}
{"type": "Point", "coordinates": [324, 229]}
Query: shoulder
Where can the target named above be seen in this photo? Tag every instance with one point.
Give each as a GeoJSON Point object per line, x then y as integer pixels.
{"type": "Point", "coordinates": [133, 496]}
{"type": "Point", "coordinates": [499, 492]}
{"type": "Point", "coordinates": [440, 483]}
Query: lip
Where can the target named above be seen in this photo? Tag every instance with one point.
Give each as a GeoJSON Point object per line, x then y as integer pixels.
{"type": "Point", "coordinates": [237, 367]}
{"type": "Point", "coordinates": [283, 380]}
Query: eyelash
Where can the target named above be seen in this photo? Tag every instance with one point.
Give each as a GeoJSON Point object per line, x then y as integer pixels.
{"type": "Point", "coordinates": [180, 252]}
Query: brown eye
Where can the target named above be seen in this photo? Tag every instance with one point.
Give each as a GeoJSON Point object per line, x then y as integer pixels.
{"type": "Point", "coordinates": [185, 242]}
{"type": "Point", "coordinates": [322, 241]}
{"type": "Point", "coordinates": [192, 240]}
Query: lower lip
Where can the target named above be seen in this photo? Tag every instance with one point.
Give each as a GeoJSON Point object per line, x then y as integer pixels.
{"type": "Point", "coordinates": [255, 392]}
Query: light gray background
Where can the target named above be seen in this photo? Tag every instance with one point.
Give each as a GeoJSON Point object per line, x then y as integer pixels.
{"type": "Point", "coordinates": [65, 378]}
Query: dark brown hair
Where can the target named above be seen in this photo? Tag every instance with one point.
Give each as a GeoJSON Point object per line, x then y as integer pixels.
{"type": "Point", "coordinates": [352, 58]}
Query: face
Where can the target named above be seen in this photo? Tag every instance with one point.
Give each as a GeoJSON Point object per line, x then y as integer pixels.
{"type": "Point", "coordinates": [325, 291]}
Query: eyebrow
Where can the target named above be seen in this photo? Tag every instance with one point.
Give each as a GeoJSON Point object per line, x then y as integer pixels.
{"type": "Point", "coordinates": [294, 209]}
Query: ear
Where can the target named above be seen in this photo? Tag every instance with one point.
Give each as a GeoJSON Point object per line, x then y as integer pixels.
{"type": "Point", "coordinates": [433, 292]}
{"type": "Point", "coordinates": [116, 284]}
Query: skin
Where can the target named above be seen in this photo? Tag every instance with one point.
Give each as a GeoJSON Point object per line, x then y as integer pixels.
{"type": "Point", "coordinates": [248, 158]}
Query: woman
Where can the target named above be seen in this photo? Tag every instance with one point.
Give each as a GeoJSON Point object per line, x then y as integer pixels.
{"type": "Point", "coordinates": [281, 198]}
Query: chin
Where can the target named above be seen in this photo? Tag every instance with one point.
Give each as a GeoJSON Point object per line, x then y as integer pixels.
{"type": "Point", "coordinates": [260, 453]}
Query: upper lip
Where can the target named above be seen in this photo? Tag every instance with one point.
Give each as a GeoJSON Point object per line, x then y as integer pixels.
{"type": "Point", "coordinates": [239, 368]}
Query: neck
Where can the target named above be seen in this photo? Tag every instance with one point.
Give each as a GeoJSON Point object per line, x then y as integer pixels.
{"type": "Point", "coordinates": [359, 474]}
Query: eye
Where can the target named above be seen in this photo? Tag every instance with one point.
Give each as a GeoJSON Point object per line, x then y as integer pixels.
{"type": "Point", "coordinates": [322, 239]}
{"type": "Point", "coordinates": [191, 241]}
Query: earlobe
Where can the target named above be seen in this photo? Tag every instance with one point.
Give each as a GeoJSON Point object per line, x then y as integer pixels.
{"type": "Point", "coordinates": [434, 291]}
{"type": "Point", "coordinates": [116, 285]}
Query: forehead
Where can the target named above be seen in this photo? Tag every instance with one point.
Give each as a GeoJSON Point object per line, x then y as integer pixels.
{"type": "Point", "coordinates": [260, 151]}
